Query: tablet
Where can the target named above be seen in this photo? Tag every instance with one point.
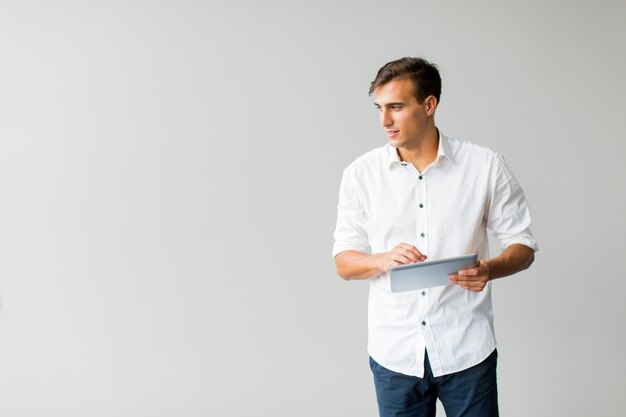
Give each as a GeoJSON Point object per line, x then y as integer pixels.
{"type": "Point", "coordinates": [428, 274]}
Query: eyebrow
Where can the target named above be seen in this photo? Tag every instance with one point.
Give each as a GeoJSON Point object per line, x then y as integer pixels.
{"type": "Point", "coordinates": [397, 103]}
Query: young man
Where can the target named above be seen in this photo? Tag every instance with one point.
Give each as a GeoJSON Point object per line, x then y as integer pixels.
{"type": "Point", "coordinates": [426, 196]}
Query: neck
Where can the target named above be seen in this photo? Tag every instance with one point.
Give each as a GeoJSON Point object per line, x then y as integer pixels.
{"type": "Point", "coordinates": [424, 152]}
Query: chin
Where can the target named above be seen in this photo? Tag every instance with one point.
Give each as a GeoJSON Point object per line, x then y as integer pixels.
{"type": "Point", "coordinates": [395, 143]}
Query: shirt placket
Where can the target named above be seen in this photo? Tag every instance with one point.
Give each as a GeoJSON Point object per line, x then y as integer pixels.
{"type": "Point", "coordinates": [421, 240]}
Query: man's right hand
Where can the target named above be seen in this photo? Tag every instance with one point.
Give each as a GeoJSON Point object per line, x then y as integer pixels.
{"type": "Point", "coordinates": [401, 254]}
{"type": "Point", "coordinates": [352, 264]}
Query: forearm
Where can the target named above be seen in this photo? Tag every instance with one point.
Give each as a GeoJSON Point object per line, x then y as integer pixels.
{"type": "Point", "coordinates": [513, 259]}
{"type": "Point", "coordinates": [352, 264]}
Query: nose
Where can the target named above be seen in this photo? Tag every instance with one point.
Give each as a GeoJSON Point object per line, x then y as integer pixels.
{"type": "Point", "coordinates": [385, 118]}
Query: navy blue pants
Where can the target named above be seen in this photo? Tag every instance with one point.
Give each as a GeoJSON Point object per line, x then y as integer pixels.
{"type": "Point", "coordinates": [469, 393]}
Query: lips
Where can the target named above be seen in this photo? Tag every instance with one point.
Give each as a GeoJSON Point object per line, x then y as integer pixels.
{"type": "Point", "coordinates": [392, 133]}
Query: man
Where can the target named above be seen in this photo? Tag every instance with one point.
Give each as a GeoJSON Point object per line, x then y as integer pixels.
{"type": "Point", "coordinates": [426, 196]}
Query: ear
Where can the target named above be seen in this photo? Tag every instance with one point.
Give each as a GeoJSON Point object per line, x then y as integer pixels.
{"type": "Point", "coordinates": [431, 105]}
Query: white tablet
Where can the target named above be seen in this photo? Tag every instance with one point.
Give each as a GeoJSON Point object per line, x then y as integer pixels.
{"type": "Point", "coordinates": [428, 274]}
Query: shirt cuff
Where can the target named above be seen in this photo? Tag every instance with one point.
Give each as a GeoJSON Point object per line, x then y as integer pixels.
{"type": "Point", "coordinates": [531, 243]}
{"type": "Point", "coordinates": [339, 247]}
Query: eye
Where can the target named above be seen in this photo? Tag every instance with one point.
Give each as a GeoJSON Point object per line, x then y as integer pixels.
{"type": "Point", "coordinates": [396, 107]}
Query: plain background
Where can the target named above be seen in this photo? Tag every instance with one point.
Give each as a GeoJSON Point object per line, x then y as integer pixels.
{"type": "Point", "coordinates": [169, 174]}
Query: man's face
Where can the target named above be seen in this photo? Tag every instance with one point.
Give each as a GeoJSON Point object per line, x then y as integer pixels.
{"type": "Point", "coordinates": [405, 120]}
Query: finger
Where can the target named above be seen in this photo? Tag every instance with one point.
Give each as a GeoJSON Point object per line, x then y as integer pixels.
{"type": "Point", "coordinates": [419, 255]}
{"type": "Point", "coordinates": [403, 251]}
{"type": "Point", "coordinates": [454, 280]}
{"type": "Point", "coordinates": [403, 259]}
{"type": "Point", "coordinates": [466, 285]}
{"type": "Point", "coordinates": [411, 255]}
{"type": "Point", "coordinates": [391, 264]}
{"type": "Point", "coordinates": [474, 288]}
{"type": "Point", "coordinates": [472, 285]}
{"type": "Point", "coordinates": [469, 272]}
{"type": "Point", "coordinates": [469, 278]}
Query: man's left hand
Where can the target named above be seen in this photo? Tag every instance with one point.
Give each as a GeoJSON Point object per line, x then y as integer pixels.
{"type": "Point", "coordinates": [473, 279]}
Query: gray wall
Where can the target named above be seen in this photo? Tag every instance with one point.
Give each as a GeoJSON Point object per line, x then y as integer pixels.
{"type": "Point", "coordinates": [168, 182]}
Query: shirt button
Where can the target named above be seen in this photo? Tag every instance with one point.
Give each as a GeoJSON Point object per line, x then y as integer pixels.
{"type": "Point", "coordinates": [423, 323]}
{"type": "Point", "coordinates": [423, 292]}
{"type": "Point", "coordinates": [420, 177]}
{"type": "Point", "coordinates": [421, 205]}
{"type": "Point", "coordinates": [422, 235]}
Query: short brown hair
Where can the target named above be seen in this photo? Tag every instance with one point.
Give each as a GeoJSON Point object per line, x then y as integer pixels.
{"type": "Point", "coordinates": [425, 76]}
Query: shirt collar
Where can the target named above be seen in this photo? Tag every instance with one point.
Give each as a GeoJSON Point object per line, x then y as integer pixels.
{"type": "Point", "coordinates": [443, 151]}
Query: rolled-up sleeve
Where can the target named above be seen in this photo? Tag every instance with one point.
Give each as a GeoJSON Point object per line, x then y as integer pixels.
{"type": "Point", "coordinates": [508, 215]}
{"type": "Point", "coordinates": [350, 231]}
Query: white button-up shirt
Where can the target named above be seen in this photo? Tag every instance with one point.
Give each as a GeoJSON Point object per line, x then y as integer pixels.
{"type": "Point", "coordinates": [444, 211]}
